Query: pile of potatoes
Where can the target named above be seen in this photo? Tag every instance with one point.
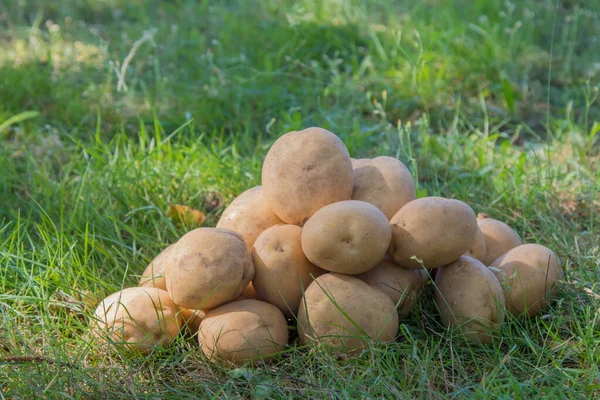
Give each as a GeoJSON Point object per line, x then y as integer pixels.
{"type": "Point", "coordinates": [339, 247]}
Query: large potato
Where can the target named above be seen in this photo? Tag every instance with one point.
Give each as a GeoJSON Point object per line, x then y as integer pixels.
{"type": "Point", "coordinates": [469, 296]}
{"type": "Point", "coordinates": [341, 312]}
{"type": "Point", "coordinates": [243, 331]}
{"type": "Point", "coordinates": [282, 271]}
{"type": "Point", "coordinates": [499, 238]}
{"type": "Point", "coordinates": [305, 171]}
{"type": "Point", "coordinates": [384, 182]}
{"type": "Point", "coordinates": [249, 215]}
{"type": "Point", "coordinates": [530, 274]}
{"type": "Point", "coordinates": [478, 250]}
{"type": "Point", "coordinates": [210, 266]}
{"type": "Point", "coordinates": [348, 237]}
{"type": "Point", "coordinates": [137, 318]}
{"type": "Point", "coordinates": [154, 274]}
{"type": "Point", "coordinates": [402, 285]}
{"type": "Point", "coordinates": [433, 229]}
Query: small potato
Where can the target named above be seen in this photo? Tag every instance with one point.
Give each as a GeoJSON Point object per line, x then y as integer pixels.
{"type": "Point", "coordinates": [402, 285]}
{"type": "Point", "coordinates": [348, 237]}
{"type": "Point", "coordinates": [470, 297]}
{"type": "Point", "coordinates": [191, 319]}
{"type": "Point", "coordinates": [249, 215]}
{"type": "Point", "coordinates": [137, 318]}
{"type": "Point", "coordinates": [478, 251]}
{"type": "Point", "coordinates": [530, 275]}
{"type": "Point", "coordinates": [154, 274]}
{"type": "Point", "coordinates": [384, 182]}
{"type": "Point", "coordinates": [243, 331]}
{"type": "Point", "coordinates": [210, 267]}
{"type": "Point", "coordinates": [305, 171]}
{"type": "Point", "coordinates": [499, 238]}
{"type": "Point", "coordinates": [282, 271]}
{"type": "Point", "coordinates": [432, 229]}
{"type": "Point", "coordinates": [341, 312]}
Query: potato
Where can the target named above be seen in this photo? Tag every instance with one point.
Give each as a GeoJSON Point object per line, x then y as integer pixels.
{"type": "Point", "coordinates": [137, 318]}
{"type": "Point", "coordinates": [305, 171]}
{"type": "Point", "coordinates": [243, 331]}
{"type": "Point", "coordinates": [209, 267]}
{"type": "Point", "coordinates": [341, 312]}
{"type": "Point", "coordinates": [154, 274]}
{"type": "Point", "coordinates": [499, 238]}
{"type": "Point", "coordinates": [384, 182]}
{"type": "Point", "coordinates": [469, 296]}
{"type": "Point", "coordinates": [191, 319]}
{"type": "Point", "coordinates": [478, 250]}
{"type": "Point", "coordinates": [402, 285]}
{"type": "Point", "coordinates": [282, 271]}
{"type": "Point", "coordinates": [249, 215]}
{"type": "Point", "coordinates": [249, 292]}
{"type": "Point", "coordinates": [433, 229]}
{"type": "Point", "coordinates": [530, 274]}
{"type": "Point", "coordinates": [348, 237]}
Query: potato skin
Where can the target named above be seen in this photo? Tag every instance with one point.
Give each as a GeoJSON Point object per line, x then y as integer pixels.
{"type": "Point", "coordinates": [434, 229]}
{"type": "Point", "coordinates": [499, 238]}
{"type": "Point", "coordinates": [469, 295]}
{"type": "Point", "coordinates": [249, 214]}
{"type": "Point", "coordinates": [211, 266]}
{"type": "Point", "coordinates": [384, 182]}
{"type": "Point", "coordinates": [305, 171]}
{"type": "Point", "coordinates": [137, 318]}
{"type": "Point", "coordinates": [478, 250]}
{"type": "Point", "coordinates": [320, 319]}
{"type": "Point", "coordinates": [282, 271]}
{"type": "Point", "coordinates": [154, 274]}
{"type": "Point", "coordinates": [530, 275]}
{"type": "Point", "coordinates": [243, 331]}
{"type": "Point", "coordinates": [402, 285]}
{"type": "Point", "coordinates": [348, 237]}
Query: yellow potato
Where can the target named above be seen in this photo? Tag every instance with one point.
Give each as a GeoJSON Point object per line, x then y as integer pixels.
{"type": "Point", "coordinates": [243, 331]}
{"type": "Point", "coordinates": [478, 251]}
{"type": "Point", "coordinates": [137, 319]}
{"type": "Point", "coordinates": [305, 171]}
{"type": "Point", "coordinates": [282, 271]}
{"type": "Point", "coordinates": [530, 275]}
{"type": "Point", "coordinates": [469, 296]}
{"type": "Point", "coordinates": [249, 215]}
{"type": "Point", "coordinates": [154, 274]}
{"type": "Point", "coordinates": [499, 238]}
{"type": "Point", "coordinates": [348, 237]}
{"type": "Point", "coordinates": [341, 312]}
{"type": "Point", "coordinates": [435, 230]}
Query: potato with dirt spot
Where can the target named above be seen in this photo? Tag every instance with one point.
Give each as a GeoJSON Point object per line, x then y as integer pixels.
{"type": "Point", "coordinates": [435, 230]}
{"type": "Point", "coordinates": [282, 271]}
{"type": "Point", "coordinates": [530, 274]}
{"type": "Point", "coordinates": [210, 267]}
{"type": "Point", "coordinates": [470, 298]}
{"type": "Point", "coordinates": [384, 182]}
{"type": "Point", "coordinates": [305, 171]}
{"type": "Point", "coordinates": [342, 312]}
{"type": "Point", "coordinates": [499, 238]}
{"type": "Point", "coordinates": [249, 214]}
{"type": "Point", "coordinates": [348, 237]}
{"type": "Point", "coordinates": [137, 319]}
{"type": "Point", "coordinates": [154, 274]}
{"type": "Point", "coordinates": [244, 331]}
{"type": "Point", "coordinates": [478, 250]}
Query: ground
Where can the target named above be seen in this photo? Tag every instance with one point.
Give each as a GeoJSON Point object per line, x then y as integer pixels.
{"type": "Point", "coordinates": [111, 110]}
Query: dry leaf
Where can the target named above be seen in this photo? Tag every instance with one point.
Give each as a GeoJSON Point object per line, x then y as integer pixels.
{"type": "Point", "coordinates": [185, 215]}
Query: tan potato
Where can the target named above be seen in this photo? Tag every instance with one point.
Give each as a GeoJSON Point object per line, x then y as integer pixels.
{"type": "Point", "coordinates": [282, 271]}
{"type": "Point", "coordinates": [137, 318]}
{"type": "Point", "coordinates": [384, 182]}
{"type": "Point", "coordinates": [530, 275]}
{"type": "Point", "coordinates": [469, 296]}
{"type": "Point", "coordinates": [499, 238]}
{"type": "Point", "coordinates": [360, 162]}
{"type": "Point", "coordinates": [191, 319]}
{"type": "Point", "coordinates": [348, 237]}
{"type": "Point", "coordinates": [402, 285]}
{"type": "Point", "coordinates": [433, 229]}
{"type": "Point", "coordinates": [305, 171]}
{"type": "Point", "coordinates": [210, 267]}
{"type": "Point", "coordinates": [154, 274]}
{"type": "Point", "coordinates": [243, 331]}
{"type": "Point", "coordinates": [478, 251]}
{"type": "Point", "coordinates": [341, 312]}
{"type": "Point", "coordinates": [249, 292]}
{"type": "Point", "coordinates": [249, 214]}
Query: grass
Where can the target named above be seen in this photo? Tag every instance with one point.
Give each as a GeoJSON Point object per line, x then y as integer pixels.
{"type": "Point", "coordinates": [489, 102]}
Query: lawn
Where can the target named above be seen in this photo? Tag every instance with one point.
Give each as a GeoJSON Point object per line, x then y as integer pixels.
{"type": "Point", "coordinates": [111, 110]}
